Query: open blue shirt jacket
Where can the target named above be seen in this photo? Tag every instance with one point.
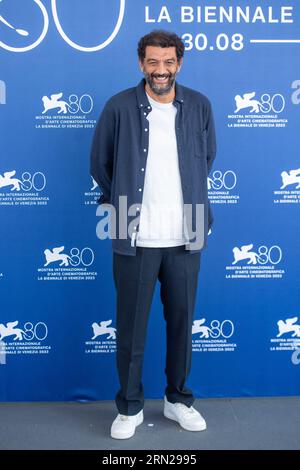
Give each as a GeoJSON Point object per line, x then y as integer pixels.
{"type": "Point", "coordinates": [120, 148]}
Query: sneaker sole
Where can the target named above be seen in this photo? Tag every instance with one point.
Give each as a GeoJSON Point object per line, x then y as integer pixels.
{"type": "Point", "coordinates": [170, 416]}
{"type": "Point", "coordinates": [128, 436]}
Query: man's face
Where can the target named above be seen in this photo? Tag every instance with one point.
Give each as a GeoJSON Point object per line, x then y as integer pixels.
{"type": "Point", "coordinates": [160, 67]}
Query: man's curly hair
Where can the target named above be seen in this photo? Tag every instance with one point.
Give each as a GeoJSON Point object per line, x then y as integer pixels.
{"type": "Point", "coordinates": [160, 38]}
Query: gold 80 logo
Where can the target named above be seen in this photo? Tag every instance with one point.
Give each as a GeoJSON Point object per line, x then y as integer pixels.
{"type": "Point", "coordinates": [55, 14]}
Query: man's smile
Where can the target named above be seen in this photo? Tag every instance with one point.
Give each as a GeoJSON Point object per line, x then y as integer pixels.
{"type": "Point", "coordinates": [161, 79]}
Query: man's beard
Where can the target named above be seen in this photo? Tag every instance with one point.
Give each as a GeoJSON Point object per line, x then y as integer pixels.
{"type": "Point", "coordinates": [160, 89]}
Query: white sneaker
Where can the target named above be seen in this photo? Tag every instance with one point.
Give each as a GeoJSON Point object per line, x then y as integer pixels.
{"type": "Point", "coordinates": [123, 427]}
{"type": "Point", "coordinates": [188, 418]}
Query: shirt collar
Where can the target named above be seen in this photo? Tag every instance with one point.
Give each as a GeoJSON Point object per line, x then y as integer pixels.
{"type": "Point", "coordinates": [142, 97]}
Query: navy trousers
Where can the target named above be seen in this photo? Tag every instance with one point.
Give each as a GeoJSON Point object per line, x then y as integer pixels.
{"type": "Point", "coordinates": [135, 278]}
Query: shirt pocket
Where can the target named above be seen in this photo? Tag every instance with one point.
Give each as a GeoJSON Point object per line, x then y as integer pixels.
{"type": "Point", "coordinates": [200, 143]}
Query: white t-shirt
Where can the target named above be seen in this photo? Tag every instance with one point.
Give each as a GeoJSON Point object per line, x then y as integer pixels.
{"type": "Point", "coordinates": [161, 215]}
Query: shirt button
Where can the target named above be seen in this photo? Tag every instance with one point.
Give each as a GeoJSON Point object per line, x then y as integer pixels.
{"type": "Point", "coordinates": [142, 169]}
{"type": "Point", "coordinates": [145, 150]}
{"type": "Point", "coordinates": [140, 189]}
{"type": "Point", "coordinates": [138, 209]}
{"type": "Point", "coordinates": [141, 104]}
{"type": "Point", "coordinates": [149, 107]}
{"type": "Point", "coordinates": [145, 114]}
{"type": "Point", "coordinates": [146, 129]}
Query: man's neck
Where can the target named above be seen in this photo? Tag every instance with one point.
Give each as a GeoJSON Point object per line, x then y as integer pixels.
{"type": "Point", "coordinates": [167, 98]}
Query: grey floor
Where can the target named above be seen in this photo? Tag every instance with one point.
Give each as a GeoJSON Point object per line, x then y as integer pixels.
{"type": "Point", "coordinates": [238, 423]}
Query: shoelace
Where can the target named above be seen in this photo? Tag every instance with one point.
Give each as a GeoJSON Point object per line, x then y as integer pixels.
{"type": "Point", "coordinates": [185, 409]}
{"type": "Point", "coordinates": [123, 417]}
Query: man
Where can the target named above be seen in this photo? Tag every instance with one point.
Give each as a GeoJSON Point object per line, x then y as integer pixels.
{"type": "Point", "coordinates": [154, 144]}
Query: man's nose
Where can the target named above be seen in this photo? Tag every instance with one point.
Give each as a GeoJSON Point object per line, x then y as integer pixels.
{"type": "Point", "coordinates": [161, 69]}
